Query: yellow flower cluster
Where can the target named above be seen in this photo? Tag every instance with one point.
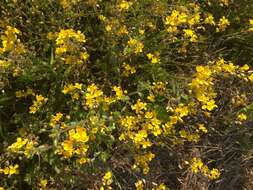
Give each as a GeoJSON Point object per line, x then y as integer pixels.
{"type": "Point", "coordinates": [222, 24]}
{"type": "Point", "coordinates": [43, 183]}
{"type": "Point", "coordinates": [154, 58]}
{"type": "Point", "coordinates": [11, 42]}
{"type": "Point", "coordinates": [178, 113]}
{"type": "Point", "coordinates": [69, 46]}
{"type": "Point", "coordinates": [139, 107]}
{"type": "Point", "coordinates": [124, 5]}
{"type": "Point", "coordinates": [177, 116]}
{"type": "Point", "coordinates": [4, 64]}
{"type": "Point", "coordinates": [179, 18]}
{"type": "Point", "coordinates": [10, 170]}
{"type": "Point", "coordinates": [142, 161]}
{"type": "Point", "coordinates": [139, 185]}
{"type": "Point", "coordinates": [161, 187]}
{"type": "Point", "coordinates": [73, 90]}
{"type": "Point", "coordinates": [128, 70]}
{"type": "Point", "coordinates": [158, 88]}
{"type": "Point", "coordinates": [190, 34]}
{"type": "Point", "coordinates": [119, 93]}
{"type": "Point", "coordinates": [224, 2]}
{"type": "Point", "coordinates": [55, 119]}
{"type": "Point", "coordinates": [107, 181]}
{"type": "Point", "coordinates": [114, 26]}
{"type": "Point", "coordinates": [175, 19]}
{"type": "Point", "coordinates": [241, 117]}
{"type": "Point", "coordinates": [135, 45]}
{"type": "Point", "coordinates": [66, 4]}
{"type": "Point", "coordinates": [93, 96]}
{"type": "Point", "coordinates": [203, 82]}
{"type": "Point", "coordinates": [37, 103]}
{"type": "Point", "coordinates": [202, 85]}
{"type": "Point", "coordinates": [138, 128]}
{"type": "Point", "coordinates": [197, 166]}
{"type": "Point", "coordinates": [191, 137]}
{"type": "Point", "coordinates": [209, 19]}
{"type": "Point", "coordinates": [23, 146]}
{"type": "Point", "coordinates": [75, 144]}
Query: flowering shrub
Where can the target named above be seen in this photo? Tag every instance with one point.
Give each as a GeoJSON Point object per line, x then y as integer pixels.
{"type": "Point", "coordinates": [126, 94]}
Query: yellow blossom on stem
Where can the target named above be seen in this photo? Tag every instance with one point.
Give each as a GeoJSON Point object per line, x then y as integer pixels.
{"type": "Point", "coordinates": [222, 24]}
{"type": "Point", "coordinates": [10, 170]}
{"type": "Point", "coordinates": [93, 96]}
{"type": "Point", "coordinates": [209, 19]}
{"type": "Point", "coordinates": [55, 119]}
{"type": "Point", "coordinates": [120, 94]}
{"type": "Point", "coordinates": [242, 117]}
{"type": "Point", "coordinates": [154, 58]}
{"type": "Point", "coordinates": [37, 103]}
{"type": "Point", "coordinates": [128, 70]}
{"type": "Point", "coordinates": [135, 45]}
{"type": "Point", "coordinates": [139, 106]}
{"type": "Point", "coordinates": [139, 185]}
{"type": "Point", "coordinates": [107, 179]}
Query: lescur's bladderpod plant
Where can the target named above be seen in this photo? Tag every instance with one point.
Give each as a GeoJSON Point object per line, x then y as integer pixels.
{"type": "Point", "coordinates": [126, 94]}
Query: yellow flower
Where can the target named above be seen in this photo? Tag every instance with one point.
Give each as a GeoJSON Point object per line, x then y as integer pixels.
{"type": "Point", "coordinates": [68, 43]}
{"type": "Point", "coordinates": [67, 34]}
{"type": "Point", "coordinates": [120, 94]}
{"type": "Point", "coordinates": [124, 5]}
{"type": "Point", "coordinates": [141, 31]}
{"type": "Point", "coordinates": [37, 103]}
{"type": "Point", "coordinates": [123, 30]}
{"type": "Point", "coordinates": [68, 148]}
{"type": "Point", "coordinates": [43, 183]}
{"type": "Point", "coordinates": [142, 161]}
{"type": "Point", "coordinates": [93, 96]}
{"type": "Point", "coordinates": [139, 185]}
{"type": "Point", "coordinates": [55, 119]}
{"type": "Point", "coordinates": [79, 135]}
{"type": "Point", "coordinates": [10, 41]}
{"type": "Point", "coordinates": [250, 78]}
{"type": "Point", "coordinates": [107, 179]}
{"type": "Point", "coordinates": [214, 174]}
{"type": "Point", "coordinates": [222, 24]}
{"type": "Point", "coordinates": [84, 55]}
{"type": "Point", "coordinates": [224, 2]}
{"type": "Point", "coordinates": [209, 19]}
{"type": "Point", "coordinates": [108, 27]}
{"type": "Point", "coordinates": [15, 147]}
{"type": "Point", "coordinates": [202, 128]}
{"type": "Point", "coordinates": [151, 98]}
{"type": "Point", "coordinates": [189, 33]}
{"type": "Point", "coordinates": [242, 117]}
{"type": "Point", "coordinates": [161, 187]}
{"type": "Point", "coordinates": [244, 68]}
{"type": "Point", "coordinates": [139, 106]}
{"type": "Point", "coordinates": [66, 4]}
{"type": "Point", "coordinates": [102, 17]}
{"type": "Point", "coordinates": [128, 70]}
{"type": "Point", "coordinates": [210, 105]}
{"type": "Point", "coordinates": [136, 45]}
{"type": "Point", "coordinates": [10, 170]}
{"type": "Point", "coordinates": [154, 58]}
{"type": "Point", "coordinates": [4, 64]}
{"type": "Point", "coordinates": [196, 165]}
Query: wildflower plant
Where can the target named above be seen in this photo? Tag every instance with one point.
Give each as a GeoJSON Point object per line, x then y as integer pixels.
{"type": "Point", "coordinates": [126, 94]}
